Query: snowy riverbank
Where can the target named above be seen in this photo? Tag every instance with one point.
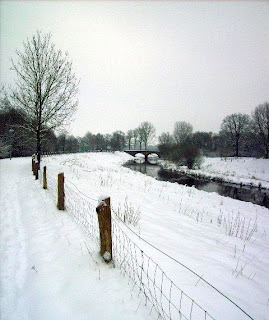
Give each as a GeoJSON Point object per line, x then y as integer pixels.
{"type": "Point", "coordinates": [245, 171]}
{"type": "Point", "coordinates": [224, 240]}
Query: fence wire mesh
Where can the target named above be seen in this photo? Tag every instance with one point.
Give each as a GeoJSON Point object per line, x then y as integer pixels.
{"type": "Point", "coordinates": [82, 211]}
{"type": "Point", "coordinates": [52, 186]}
{"type": "Point", "coordinates": [145, 276]}
{"type": "Point", "coordinates": [159, 291]}
{"type": "Point", "coordinates": [40, 175]}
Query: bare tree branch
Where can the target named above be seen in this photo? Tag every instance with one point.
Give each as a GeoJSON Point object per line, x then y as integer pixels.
{"type": "Point", "coordinates": [46, 87]}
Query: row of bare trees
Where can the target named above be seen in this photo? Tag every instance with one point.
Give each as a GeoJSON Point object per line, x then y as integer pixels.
{"type": "Point", "coordinates": [239, 135]}
{"type": "Point", "coordinates": [241, 130]}
{"type": "Point", "coordinates": [138, 138]}
{"type": "Point", "coordinates": [44, 100]}
{"type": "Point", "coordinates": [141, 137]}
{"type": "Point", "coordinates": [18, 142]}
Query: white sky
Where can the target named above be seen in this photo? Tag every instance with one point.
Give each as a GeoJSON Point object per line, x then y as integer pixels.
{"type": "Point", "coordinates": [157, 61]}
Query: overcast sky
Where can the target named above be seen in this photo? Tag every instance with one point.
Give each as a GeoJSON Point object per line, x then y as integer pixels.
{"type": "Point", "coordinates": [157, 61]}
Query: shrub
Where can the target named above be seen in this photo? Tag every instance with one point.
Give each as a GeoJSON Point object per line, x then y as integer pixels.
{"type": "Point", "coordinates": [186, 153]}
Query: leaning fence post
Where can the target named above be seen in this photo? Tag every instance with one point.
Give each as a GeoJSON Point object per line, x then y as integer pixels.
{"type": "Point", "coordinates": [60, 204]}
{"type": "Point", "coordinates": [45, 177]}
{"type": "Point", "coordinates": [104, 219]}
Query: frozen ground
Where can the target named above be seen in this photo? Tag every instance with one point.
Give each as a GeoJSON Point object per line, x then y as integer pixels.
{"type": "Point", "coordinates": [46, 272]}
{"type": "Point", "coordinates": [237, 170]}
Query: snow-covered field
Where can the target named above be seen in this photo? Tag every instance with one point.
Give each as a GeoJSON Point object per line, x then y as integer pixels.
{"type": "Point", "coordinates": [236, 170]}
{"type": "Point", "coordinates": [48, 273]}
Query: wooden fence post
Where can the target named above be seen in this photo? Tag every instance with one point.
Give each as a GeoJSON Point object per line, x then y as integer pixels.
{"type": "Point", "coordinates": [45, 177]}
{"type": "Point", "coordinates": [104, 219]}
{"type": "Point", "coordinates": [36, 167]}
{"type": "Point", "coordinates": [60, 204]}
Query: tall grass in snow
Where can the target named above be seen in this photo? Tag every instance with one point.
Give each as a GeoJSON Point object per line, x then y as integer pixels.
{"type": "Point", "coordinates": [127, 213]}
{"type": "Point", "coordinates": [236, 225]}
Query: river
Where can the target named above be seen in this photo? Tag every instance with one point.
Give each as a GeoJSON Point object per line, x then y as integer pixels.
{"type": "Point", "coordinates": [243, 193]}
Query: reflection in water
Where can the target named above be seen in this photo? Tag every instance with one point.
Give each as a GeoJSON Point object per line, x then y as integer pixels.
{"type": "Point", "coordinates": [254, 195]}
{"type": "Point", "coordinates": [149, 168]}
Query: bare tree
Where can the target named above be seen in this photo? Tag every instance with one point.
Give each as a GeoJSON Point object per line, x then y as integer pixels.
{"type": "Point", "coordinates": [146, 133]}
{"type": "Point", "coordinates": [166, 144]}
{"type": "Point", "coordinates": [261, 122]}
{"type": "Point", "coordinates": [140, 137]}
{"type": "Point", "coordinates": [107, 141]}
{"type": "Point", "coordinates": [166, 139]}
{"type": "Point", "coordinates": [117, 141]}
{"type": "Point", "coordinates": [129, 137]}
{"type": "Point", "coordinates": [89, 141]}
{"type": "Point", "coordinates": [182, 131]}
{"type": "Point", "coordinates": [46, 87]}
{"type": "Point", "coordinates": [135, 137]}
{"type": "Point", "coordinates": [234, 127]}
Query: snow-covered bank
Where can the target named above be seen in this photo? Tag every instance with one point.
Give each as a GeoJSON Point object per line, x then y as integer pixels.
{"type": "Point", "coordinates": [46, 271]}
{"type": "Point", "coordinates": [246, 171]}
{"type": "Point", "coordinates": [224, 240]}
{"type": "Point", "coordinates": [45, 254]}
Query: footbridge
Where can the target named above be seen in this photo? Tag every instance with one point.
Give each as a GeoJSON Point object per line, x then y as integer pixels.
{"type": "Point", "coordinates": [146, 153]}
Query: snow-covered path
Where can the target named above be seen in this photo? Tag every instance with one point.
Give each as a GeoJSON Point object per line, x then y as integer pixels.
{"type": "Point", "coordinates": [46, 271]}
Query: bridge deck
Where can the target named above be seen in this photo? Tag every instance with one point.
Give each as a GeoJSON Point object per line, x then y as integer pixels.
{"type": "Point", "coordinates": [146, 153]}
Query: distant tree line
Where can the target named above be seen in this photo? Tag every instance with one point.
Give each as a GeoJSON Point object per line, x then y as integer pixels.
{"type": "Point", "coordinates": [44, 100]}
{"type": "Point", "coordinates": [239, 135]}
{"type": "Point", "coordinates": [15, 138]}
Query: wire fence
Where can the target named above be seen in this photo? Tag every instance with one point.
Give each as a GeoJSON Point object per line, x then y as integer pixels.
{"type": "Point", "coordinates": [52, 186]}
{"type": "Point", "coordinates": [144, 274]}
{"type": "Point", "coordinates": [160, 292]}
{"type": "Point", "coordinates": [82, 211]}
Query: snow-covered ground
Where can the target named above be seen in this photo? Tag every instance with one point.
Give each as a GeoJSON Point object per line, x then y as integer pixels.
{"type": "Point", "coordinates": [47, 272]}
{"type": "Point", "coordinates": [236, 170]}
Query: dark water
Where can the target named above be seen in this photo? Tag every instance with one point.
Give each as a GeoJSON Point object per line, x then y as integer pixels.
{"type": "Point", "coordinates": [244, 193]}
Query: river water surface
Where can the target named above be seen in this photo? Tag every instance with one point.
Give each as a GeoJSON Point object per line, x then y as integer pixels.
{"type": "Point", "coordinates": [243, 193]}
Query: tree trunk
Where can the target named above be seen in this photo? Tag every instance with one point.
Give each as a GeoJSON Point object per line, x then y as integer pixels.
{"type": "Point", "coordinates": [38, 147]}
{"type": "Point", "coordinates": [266, 151]}
{"type": "Point", "coordinates": [237, 147]}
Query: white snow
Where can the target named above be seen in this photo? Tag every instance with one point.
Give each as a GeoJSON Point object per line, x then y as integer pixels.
{"type": "Point", "coordinates": [47, 272]}
{"type": "Point", "coordinates": [248, 171]}
{"type": "Point", "coordinates": [140, 155]}
{"type": "Point", "coordinates": [107, 256]}
{"type": "Point", "coordinates": [153, 155]}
